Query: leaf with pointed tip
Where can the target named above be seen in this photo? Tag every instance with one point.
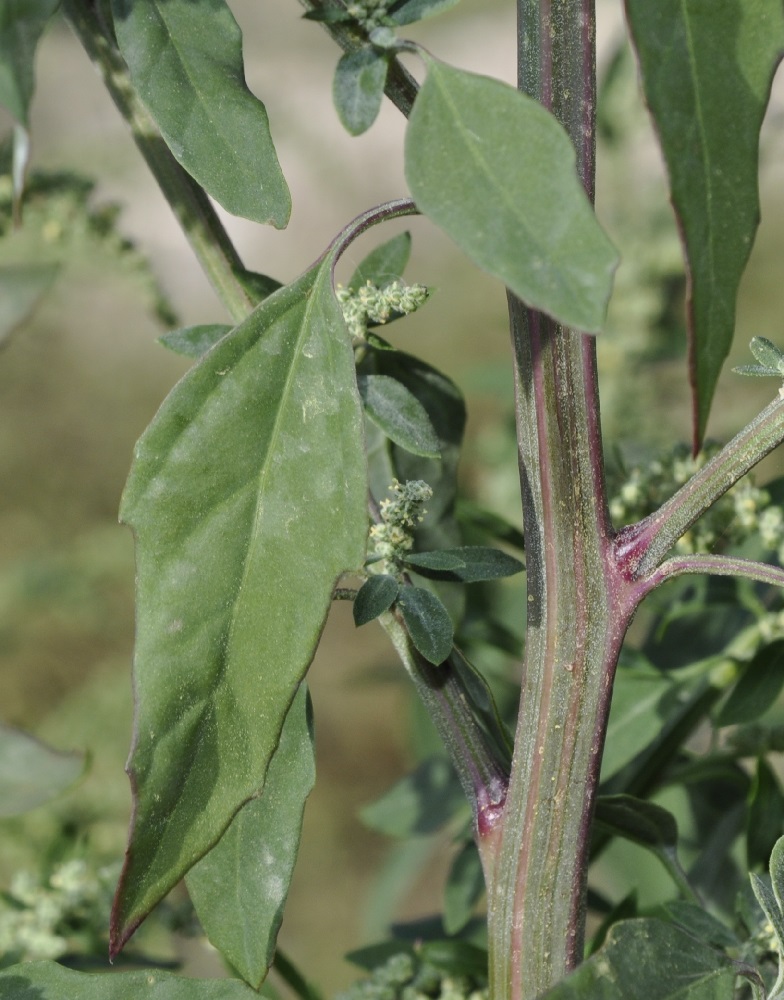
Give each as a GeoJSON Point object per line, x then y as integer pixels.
{"type": "Point", "coordinates": [495, 171]}
{"type": "Point", "coordinates": [758, 371]}
{"type": "Point", "coordinates": [50, 981]}
{"type": "Point", "coordinates": [757, 688]}
{"type": "Point", "coordinates": [376, 595]}
{"type": "Point", "coordinates": [706, 72]}
{"type": "Point", "coordinates": [635, 819]}
{"type": "Point", "coordinates": [22, 23]}
{"type": "Point", "coordinates": [185, 61]}
{"type": "Point", "coordinates": [193, 341]}
{"type": "Point", "coordinates": [384, 264]}
{"type": "Point", "coordinates": [358, 87]}
{"type": "Point", "coordinates": [428, 623]}
{"type": "Point", "coordinates": [409, 11]}
{"type": "Point", "coordinates": [31, 773]}
{"type": "Point", "coordinates": [399, 414]}
{"type": "Point", "coordinates": [767, 353]}
{"type": "Point", "coordinates": [247, 497]}
{"type": "Point", "coordinates": [239, 889]}
{"type": "Point", "coordinates": [471, 564]}
{"type": "Point", "coordinates": [441, 560]}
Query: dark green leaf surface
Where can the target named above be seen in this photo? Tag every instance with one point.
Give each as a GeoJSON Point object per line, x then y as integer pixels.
{"type": "Point", "coordinates": [479, 562]}
{"type": "Point", "coordinates": [239, 889]}
{"type": "Point", "coordinates": [399, 414]}
{"type": "Point", "coordinates": [416, 10]}
{"type": "Point", "coordinates": [193, 341]}
{"type": "Point", "coordinates": [428, 623]}
{"type": "Point", "coordinates": [31, 772]}
{"type": "Point", "coordinates": [185, 60]}
{"type": "Point", "coordinates": [21, 25]}
{"type": "Point", "coordinates": [706, 72]}
{"type": "Point", "coordinates": [383, 265]}
{"type": "Point", "coordinates": [465, 884]}
{"type": "Point", "coordinates": [375, 596]}
{"type": "Point", "coordinates": [765, 816]}
{"type": "Point", "coordinates": [497, 173]}
{"type": "Point", "coordinates": [758, 688]}
{"type": "Point", "coordinates": [638, 710]}
{"type": "Point", "coordinates": [650, 960]}
{"type": "Point", "coordinates": [248, 499]}
{"type": "Point", "coordinates": [635, 819]}
{"type": "Point", "coordinates": [358, 88]}
{"type": "Point", "coordinates": [701, 924]}
{"type": "Point", "coordinates": [21, 287]}
{"type": "Point", "coordinates": [49, 981]}
{"type": "Point", "coordinates": [418, 804]}
{"type": "Point", "coordinates": [442, 559]}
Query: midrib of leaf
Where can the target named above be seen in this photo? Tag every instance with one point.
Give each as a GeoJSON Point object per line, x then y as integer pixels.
{"type": "Point", "coordinates": [575, 289]}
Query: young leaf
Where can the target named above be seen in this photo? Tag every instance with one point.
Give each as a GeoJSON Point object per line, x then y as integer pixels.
{"type": "Point", "coordinates": [767, 353]}
{"type": "Point", "coordinates": [193, 341]}
{"type": "Point", "coordinates": [465, 884]}
{"type": "Point", "coordinates": [358, 88]}
{"type": "Point", "coordinates": [408, 11]}
{"type": "Point", "coordinates": [375, 596]}
{"type": "Point", "coordinates": [239, 889]}
{"type": "Point", "coordinates": [479, 562]}
{"type": "Point", "coordinates": [428, 623]}
{"type": "Point", "coordinates": [706, 73]}
{"type": "Point", "coordinates": [50, 981]}
{"type": "Point", "coordinates": [31, 773]}
{"type": "Point", "coordinates": [758, 688]}
{"type": "Point", "coordinates": [383, 265]}
{"type": "Point", "coordinates": [497, 173]}
{"type": "Point", "coordinates": [185, 60]}
{"type": "Point", "coordinates": [248, 499]}
{"type": "Point", "coordinates": [22, 23]}
{"type": "Point", "coordinates": [399, 414]}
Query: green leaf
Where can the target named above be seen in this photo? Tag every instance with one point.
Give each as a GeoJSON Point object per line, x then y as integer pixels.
{"type": "Point", "coordinates": [419, 804]}
{"type": "Point", "coordinates": [767, 353]}
{"type": "Point", "coordinates": [408, 11]}
{"type": "Point", "coordinates": [465, 885]}
{"type": "Point", "coordinates": [497, 173]}
{"type": "Point", "coordinates": [756, 370]}
{"type": "Point", "coordinates": [647, 959]}
{"type": "Point", "coordinates": [31, 773]}
{"type": "Point", "coordinates": [642, 822]}
{"type": "Point", "coordinates": [701, 924]}
{"type": "Point", "coordinates": [383, 265]}
{"type": "Point", "coordinates": [374, 597]}
{"type": "Point", "coordinates": [239, 889]}
{"type": "Point", "coordinates": [193, 341]}
{"type": "Point", "coordinates": [358, 88]}
{"type": "Point", "coordinates": [21, 288]}
{"type": "Point", "coordinates": [758, 687]}
{"type": "Point", "coordinates": [765, 817]}
{"type": "Point", "coordinates": [768, 893]}
{"type": "Point", "coordinates": [185, 60]}
{"type": "Point", "coordinates": [428, 623]}
{"type": "Point", "coordinates": [706, 73]}
{"type": "Point", "coordinates": [247, 497]}
{"type": "Point", "coordinates": [479, 562]}
{"type": "Point", "coordinates": [22, 23]}
{"type": "Point", "coordinates": [50, 981]}
{"type": "Point", "coordinates": [478, 520]}
{"type": "Point", "coordinates": [399, 414]}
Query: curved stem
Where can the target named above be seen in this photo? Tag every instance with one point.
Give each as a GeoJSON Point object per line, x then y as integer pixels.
{"type": "Point", "coordinates": [715, 566]}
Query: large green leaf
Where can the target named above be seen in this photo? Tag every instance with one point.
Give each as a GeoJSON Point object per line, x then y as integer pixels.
{"type": "Point", "coordinates": [706, 71]}
{"type": "Point", "coordinates": [248, 499]}
{"type": "Point", "coordinates": [32, 773]}
{"type": "Point", "coordinates": [239, 889]}
{"type": "Point", "coordinates": [49, 981]}
{"type": "Point", "coordinates": [497, 173]}
{"type": "Point", "coordinates": [650, 960]}
{"type": "Point", "coordinates": [21, 25]}
{"type": "Point", "coordinates": [185, 60]}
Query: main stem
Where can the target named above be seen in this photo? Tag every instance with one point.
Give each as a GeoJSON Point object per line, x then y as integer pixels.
{"type": "Point", "coordinates": [578, 603]}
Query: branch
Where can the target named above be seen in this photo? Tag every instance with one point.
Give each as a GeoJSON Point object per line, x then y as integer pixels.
{"type": "Point", "coordinates": [716, 566]}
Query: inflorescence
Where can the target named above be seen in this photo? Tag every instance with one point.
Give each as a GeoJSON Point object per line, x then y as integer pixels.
{"type": "Point", "coordinates": [393, 536]}
{"type": "Point", "coordinates": [371, 304]}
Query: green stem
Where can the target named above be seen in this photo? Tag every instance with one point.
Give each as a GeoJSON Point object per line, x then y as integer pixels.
{"type": "Point", "coordinates": [191, 206]}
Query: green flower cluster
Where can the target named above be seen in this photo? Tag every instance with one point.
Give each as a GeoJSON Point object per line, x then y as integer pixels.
{"type": "Point", "coordinates": [46, 918]}
{"type": "Point", "coordinates": [370, 13]}
{"type": "Point", "coordinates": [743, 512]}
{"type": "Point", "coordinates": [393, 535]}
{"type": "Point", "coordinates": [402, 977]}
{"type": "Point", "coordinates": [371, 304]}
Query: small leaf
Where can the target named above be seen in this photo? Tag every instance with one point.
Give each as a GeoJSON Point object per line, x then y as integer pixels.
{"type": "Point", "coordinates": [637, 820]}
{"type": "Point", "coordinates": [765, 816]}
{"type": "Point", "coordinates": [418, 804]}
{"type": "Point", "coordinates": [480, 562]}
{"type": "Point", "coordinates": [21, 288]}
{"type": "Point", "coordinates": [22, 23]}
{"type": "Point", "coordinates": [239, 889]}
{"type": "Point", "coordinates": [495, 171]}
{"type": "Point", "coordinates": [465, 885]}
{"type": "Point", "coordinates": [767, 354]}
{"type": "Point", "coordinates": [756, 370]}
{"type": "Point", "coordinates": [329, 15]}
{"type": "Point", "coordinates": [358, 88]}
{"type": "Point", "coordinates": [399, 414]}
{"type": "Point", "coordinates": [706, 72]}
{"type": "Point", "coordinates": [50, 981]}
{"type": "Point", "coordinates": [185, 60]}
{"type": "Point", "coordinates": [440, 560]}
{"type": "Point", "coordinates": [428, 623]}
{"type": "Point", "coordinates": [193, 341]}
{"type": "Point", "coordinates": [758, 687]}
{"type": "Point", "coordinates": [383, 265]}
{"type": "Point", "coordinates": [376, 595]}
{"type": "Point", "coordinates": [408, 11]}
{"type": "Point", "coordinates": [31, 773]}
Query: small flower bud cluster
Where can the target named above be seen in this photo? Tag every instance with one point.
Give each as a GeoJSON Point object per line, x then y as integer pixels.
{"type": "Point", "coordinates": [393, 536]}
{"type": "Point", "coordinates": [743, 512]}
{"type": "Point", "coordinates": [371, 304]}
{"type": "Point", "coordinates": [369, 13]}
{"type": "Point", "coordinates": [402, 977]}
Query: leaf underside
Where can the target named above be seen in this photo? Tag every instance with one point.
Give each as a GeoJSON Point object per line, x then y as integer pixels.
{"type": "Point", "coordinates": [706, 72]}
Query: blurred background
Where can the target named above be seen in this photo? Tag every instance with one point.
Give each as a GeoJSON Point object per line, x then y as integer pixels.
{"type": "Point", "coordinates": [83, 377]}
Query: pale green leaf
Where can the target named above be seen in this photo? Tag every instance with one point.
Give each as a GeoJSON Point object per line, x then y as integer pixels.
{"type": "Point", "coordinates": [193, 341]}
{"type": "Point", "coordinates": [409, 11]}
{"type": "Point", "coordinates": [706, 71]}
{"type": "Point", "coordinates": [399, 414]}
{"type": "Point", "coordinates": [497, 173]}
{"type": "Point", "coordinates": [21, 288]}
{"type": "Point", "coordinates": [358, 88]}
{"type": "Point", "coordinates": [22, 23]}
{"type": "Point", "coordinates": [418, 804]}
{"type": "Point", "coordinates": [248, 498]}
{"type": "Point", "coordinates": [767, 353]}
{"type": "Point", "coordinates": [31, 773]}
{"type": "Point", "coordinates": [384, 264]}
{"type": "Point", "coordinates": [239, 889]}
{"type": "Point", "coordinates": [185, 60]}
